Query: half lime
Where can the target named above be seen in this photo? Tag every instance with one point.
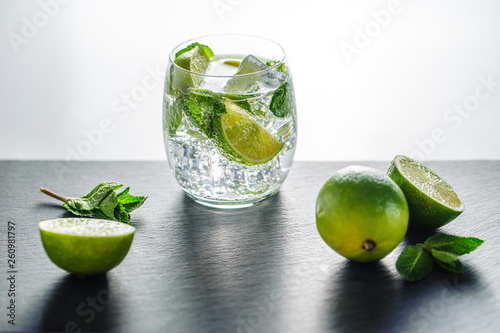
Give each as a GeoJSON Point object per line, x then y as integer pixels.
{"type": "Point", "coordinates": [432, 201]}
{"type": "Point", "coordinates": [86, 246]}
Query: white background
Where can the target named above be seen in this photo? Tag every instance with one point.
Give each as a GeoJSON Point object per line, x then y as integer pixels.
{"type": "Point", "coordinates": [65, 69]}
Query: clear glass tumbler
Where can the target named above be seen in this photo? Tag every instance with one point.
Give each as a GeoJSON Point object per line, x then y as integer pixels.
{"type": "Point", "coordinates": [229, 119]}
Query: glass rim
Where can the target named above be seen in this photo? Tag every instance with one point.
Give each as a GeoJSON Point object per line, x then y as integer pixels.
{"type": "Point", "coordinates": [171, 56]}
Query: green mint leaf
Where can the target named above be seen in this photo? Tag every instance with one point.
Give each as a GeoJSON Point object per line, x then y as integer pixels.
{"type": "Point", "coordinates": [454, 244]}
{"type": "Point", "coordinates": [173, 109]}
{"type": "Point", "coordinates": [454, 267]}
{"type": "Point", "coordinates": [130, 202]}
{"type": "Point", "coordinates": [210, 100]}
{"type": "Point", "coordinates": [123, 193]}
{"type": "Point", "coordinates": [414, 263]}
{"type": "Point", "coordinates": [90, 201]}
{"type": "Point", "coordinates": [281, 67]}
{"type": "Point", "coordinates": [239, 99]}
{"type": "Point", "coordinates": [101, 190]}
{"type": "Point", "coordinates": [249, 102]}
{"type": "Point", "coordinates": [80, 204]}
{"type": "Point", "coordinates": [283, 100]}
{"type": "Point", "coordinates": [202, 105]}
{"type": "Point", "coordinates": [208, 51]}
{"type": "Point", "coordinates": [444, 256]}
{"type": "Point", "coordinates": [121, 214]}
{"type": "Point", "coordinates": [97, 213]}
{"type": "Point", "coordinates": [76, 211]}
{"type": "Point", "coordinates": [108, 204]}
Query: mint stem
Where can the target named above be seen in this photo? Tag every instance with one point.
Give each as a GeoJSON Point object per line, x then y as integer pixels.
{"type": "Point", "coordinates": [52, 194]}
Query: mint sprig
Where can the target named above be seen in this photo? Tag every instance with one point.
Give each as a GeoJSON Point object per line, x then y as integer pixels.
{"type": "Point", "coordinates": [417, 261]}
{"type": "Point", "coordinates": [208, 51]}
{"type": "Point", "coordinates": [102, 202]}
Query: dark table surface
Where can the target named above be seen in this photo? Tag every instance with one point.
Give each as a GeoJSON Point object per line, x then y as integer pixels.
{"type": "Point", "coordinates": [259, 269]}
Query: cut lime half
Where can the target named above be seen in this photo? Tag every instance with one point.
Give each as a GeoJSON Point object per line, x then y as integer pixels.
{"type": "Point", "coordinates": [86, 246]}
{"type": "Point", "coordinates": [431, 200]}
{"type": "Point", "coordinates": [242, 139]}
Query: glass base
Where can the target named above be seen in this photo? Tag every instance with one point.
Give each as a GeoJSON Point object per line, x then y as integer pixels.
{"type": "Point", "coordinates": [227, 204]}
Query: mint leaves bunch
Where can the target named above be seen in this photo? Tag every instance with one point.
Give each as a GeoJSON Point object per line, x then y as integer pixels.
{"type": "Point", "coordinates": [102, 202]}
{"type": "Point", "coordinates": [417, 261]}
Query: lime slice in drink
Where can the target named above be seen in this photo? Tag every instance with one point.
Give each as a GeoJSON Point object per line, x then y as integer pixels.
{"type": "Point", "coordinates": [432, 202]}
{"type": "Point", "coordinates": [86, 246]}
{"type": "Point", "coordinates": [194, 62]}
{"type": "Point", "coordinates": [242, 139]}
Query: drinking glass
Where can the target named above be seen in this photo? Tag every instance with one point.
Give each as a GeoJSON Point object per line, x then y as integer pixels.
{"type": "Point", "coordinates": [229, 119]}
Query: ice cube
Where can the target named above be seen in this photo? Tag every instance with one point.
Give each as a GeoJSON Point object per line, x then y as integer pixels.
{"type": "Point", "coordinates": [262, 80]}
{"type": "Point", "coordinates": [251, 64]}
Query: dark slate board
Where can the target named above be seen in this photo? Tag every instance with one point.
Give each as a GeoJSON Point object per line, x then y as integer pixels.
{"type": "Point", "coordinates": [260, 269]}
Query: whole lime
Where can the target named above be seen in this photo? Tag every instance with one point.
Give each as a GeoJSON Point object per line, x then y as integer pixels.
{"type": "Point", "coordinates": [86, 246]}
{"type": "Point", "coordinates": [361, 213]}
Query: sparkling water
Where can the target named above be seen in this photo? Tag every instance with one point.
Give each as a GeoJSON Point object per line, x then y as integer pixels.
{"type": "Point", "coordinates": [198, 163]}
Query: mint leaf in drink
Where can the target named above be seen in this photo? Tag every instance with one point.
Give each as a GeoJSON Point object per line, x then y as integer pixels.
{"type": "Point", "coordinates": [240, 99]}
{"type": "Point", "coordinates": [102, 202]}
{"type": "Point", "coordinates": [208, 51]}
{"type": "Point", "coordinates": [281, 67]}
{"type": "Point", "coordinates": [173, 111]}
{"type": "Point", "coordinates": [207, 99]}
{"type": "Point", "coordinates": [283, 100]}
{"type": "Point", "coordinates": [454, 244]}
{"type": "Point", "coordinates": [202, 105]}
{"type": "Point", "coordinates": [414, 263]}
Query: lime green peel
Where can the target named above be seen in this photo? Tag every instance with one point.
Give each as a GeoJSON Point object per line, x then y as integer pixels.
{"type": "Point", "coordinates": [86, 246]}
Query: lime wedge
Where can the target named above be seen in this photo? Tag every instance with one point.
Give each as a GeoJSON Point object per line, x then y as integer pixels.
{"type": "Point", "coordinates": [242, 139]}
{"type": "Point", "coordinates": [432, 202]}
{"type": "Point", "coordinates": [193, 64]}
{"type": "Point", "coordinates": [86, 246]}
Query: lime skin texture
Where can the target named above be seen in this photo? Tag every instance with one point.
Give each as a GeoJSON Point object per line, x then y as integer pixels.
{"type": "Point", "coordinates": [361, 213]}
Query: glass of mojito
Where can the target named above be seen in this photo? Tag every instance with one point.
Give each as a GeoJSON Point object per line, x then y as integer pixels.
{"type": "Point", "coordinates": [229, 119]}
